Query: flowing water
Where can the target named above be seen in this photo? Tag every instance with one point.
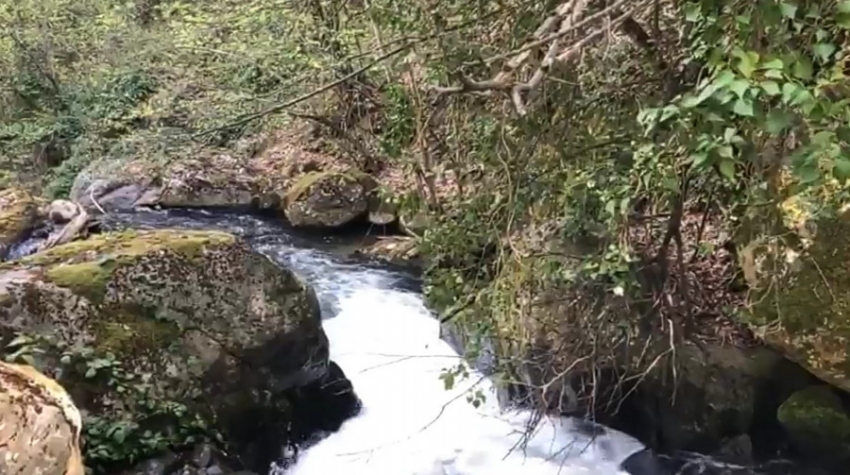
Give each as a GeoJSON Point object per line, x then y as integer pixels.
{"type": "Point", "coordinates": [389, 346]}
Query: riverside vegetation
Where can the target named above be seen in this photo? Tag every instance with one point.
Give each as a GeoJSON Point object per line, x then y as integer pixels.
{"type": "Point", "coordinates": [640, 207]}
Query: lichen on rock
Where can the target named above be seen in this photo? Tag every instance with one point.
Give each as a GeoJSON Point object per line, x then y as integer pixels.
{"type": "Point", "coordinates": [327, 199]}
{"type": "Point", "coordinates": [193, 317]}
{"type": "Point", "coordinates": [799, 303]}
{"type": "Point", "coordinates": [39, 424]}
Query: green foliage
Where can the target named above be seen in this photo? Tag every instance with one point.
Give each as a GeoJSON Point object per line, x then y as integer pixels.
{"type": "Point", "coordinates": [128, 421]}
{"type": "Point", "coordinates": [94, 72]}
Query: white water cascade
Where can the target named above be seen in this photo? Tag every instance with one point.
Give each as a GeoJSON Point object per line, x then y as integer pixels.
{"type": "Point", "coordinates": [389, 346]}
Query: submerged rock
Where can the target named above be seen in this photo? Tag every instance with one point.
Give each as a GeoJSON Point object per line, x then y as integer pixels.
{"type": "Point", "coordinates": [19, 213]}
{"type": "Point", "coordinates": [149, 322]}
{"type": "Point", "coordinates": [39, 425]}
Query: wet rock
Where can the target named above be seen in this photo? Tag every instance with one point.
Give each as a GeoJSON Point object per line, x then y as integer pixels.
{"type": "Point", "coordinates": [818, 425]}
{"type": "Point", "coordinates": [202, 456]}
{"type": "Point", "coordinates": [401, 250]}
{"type": "Point", "coordinates": [738, 449]}
{"type": "Point", "coordinates": [39, 425]}
{"type": "Point", "coordinates": [162, 465]}
{"type": "Point", "coordinates": [195, 318]}
{"type": "Point", "coordinates": [19, 214]}
{"type": "Point", "coordinates": [62, 211]}
{"type": "Point", "coordinates": [382, 210]}
{"type": "Point", "coordinates": [327, 199]}
{"type": "Point", "coordinates": [716, 395]}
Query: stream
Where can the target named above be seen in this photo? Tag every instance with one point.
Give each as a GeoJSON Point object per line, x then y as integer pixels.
{"type": "Point", "coordinates": [389, 346]}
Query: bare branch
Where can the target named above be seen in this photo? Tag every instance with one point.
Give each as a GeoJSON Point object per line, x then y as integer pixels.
{"type": "Point", "coordinates": [565, 19]}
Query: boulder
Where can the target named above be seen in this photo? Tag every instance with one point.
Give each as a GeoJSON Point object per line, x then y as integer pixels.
{"type": "Point", "coordinates": [327, 199]}
{"type": "Point", "coordinates": [817, 424]}
{"type": "Point", "coordinates": [204, 181]}
{"type": "Point", "coordinates": [382, 209]}
{"type": "Point", "coordinates": [19, 213]}
{"type": "Point", "coordinates": [801, 295]}
{"type": "Point", "coordinates": [311, 191]}
{"type": "Point", "coordinates": [718, 400]}
{"type": "Point", "coordinates": [163, 332]}
{"type": "Point", "coordinates": [401, 250]}
{"type": "Point", "coordinates": [39, 424]}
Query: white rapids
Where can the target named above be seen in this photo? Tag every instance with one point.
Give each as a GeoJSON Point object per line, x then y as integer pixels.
{"type": "Point", "coordinates": [389, 346]}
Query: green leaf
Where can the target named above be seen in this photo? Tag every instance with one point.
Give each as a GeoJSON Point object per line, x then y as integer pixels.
{"type": "Point", "coordinates": [740, 87]}
{"type": "Point", "coordinates": [692, 12]}
{"type": "Point", "coordinates": [700, 159]}
{"type": "Point", "coordinates": [790, 91]}
{"type": "Point", "coordinates": [809, 173]}
{"type": "Point", "coordinates": [803, 68]}
{"type": "Point", "coordinates": [771, 88]}
{"type": "Point", "coordinates": [90, 373]}
{"type": "Point", "coordinates": [823, 137]}
{"type": "Point", "coordinates": [773, 74]}
{"type": "Point", "coordinates": [777, 121]}
{"type": "Point", "coordinates": [727, 169]}
{"type": "Point", "coordinates": [726, 151]}
{"type": "Point", "coordinates": [775, 64]}
{"type": "Point", "coordinates": [841, 168]}
{"type": "Point", "coordinates": [844, 6]}
{"type": "Point", "coordinates": [747, 63]}
{"type": "Point", "coordinates": [789, 10]}
{"type": "Point", "coordinates": [824, 50]}
{"type": "Point", "coordinates": [743, 107]}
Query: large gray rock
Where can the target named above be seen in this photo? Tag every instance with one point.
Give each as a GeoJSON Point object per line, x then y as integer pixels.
{"type": "Point", "coordinates": [191, 318]}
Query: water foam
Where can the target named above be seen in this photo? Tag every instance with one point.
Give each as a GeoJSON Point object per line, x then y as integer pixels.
{"type": "Point", "coordinates": [388, 344]}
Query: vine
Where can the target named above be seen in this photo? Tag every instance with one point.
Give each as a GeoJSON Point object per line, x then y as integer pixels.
{"type": "Point", "coordinates": [131, 423]}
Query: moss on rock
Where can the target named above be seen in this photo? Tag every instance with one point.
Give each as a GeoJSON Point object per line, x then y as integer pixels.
{"type": "Point", "coordinates": [19, 212]}
{"type": "Point", "coordinates": [801, 303]}
{"type": "Point", "coordinates": [817, 423]}
{"type": "Point", "coordinates": [328, 199]}
{"type": "Point", "coordinates": [195, 318]}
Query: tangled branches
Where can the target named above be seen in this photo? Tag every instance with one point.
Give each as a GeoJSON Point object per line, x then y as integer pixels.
{"type": "Point", "coordinates": [565, 33]}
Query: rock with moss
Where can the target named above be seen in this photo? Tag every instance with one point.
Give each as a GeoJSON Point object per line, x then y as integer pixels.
{"type": "Point", "coordinates": [19, 213]}
{"type": "Point", "coordinates": [327, 199]}
{"type": "Point", "coordinates": [800, 299]}
{"type": "Point", "coordinates": [204, 181]}
{"type": "Point", "coordinates": [817, 424]}
{"type": "Point", "coordinates": [160, 332]}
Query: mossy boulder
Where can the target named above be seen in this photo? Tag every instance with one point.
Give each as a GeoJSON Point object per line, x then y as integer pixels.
{"type": "Point", "coordinates": [312, 191]}
{"type": "Point", "coordinates": [817, 424]}
{"type": "Point", "coordinates": [191, 318]}
{"type": "Point", "coordinates": [19, 213]}
{"type": "Point", "coordinates": [203, 181]}
{"type": "Point", "coordinates": [800, 299]}
{"type": "Point", "coordinates": [328, 199]}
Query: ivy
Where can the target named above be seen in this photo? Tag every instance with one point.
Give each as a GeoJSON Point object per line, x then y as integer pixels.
{"type": "Point", "coordinates": [132, 422]}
